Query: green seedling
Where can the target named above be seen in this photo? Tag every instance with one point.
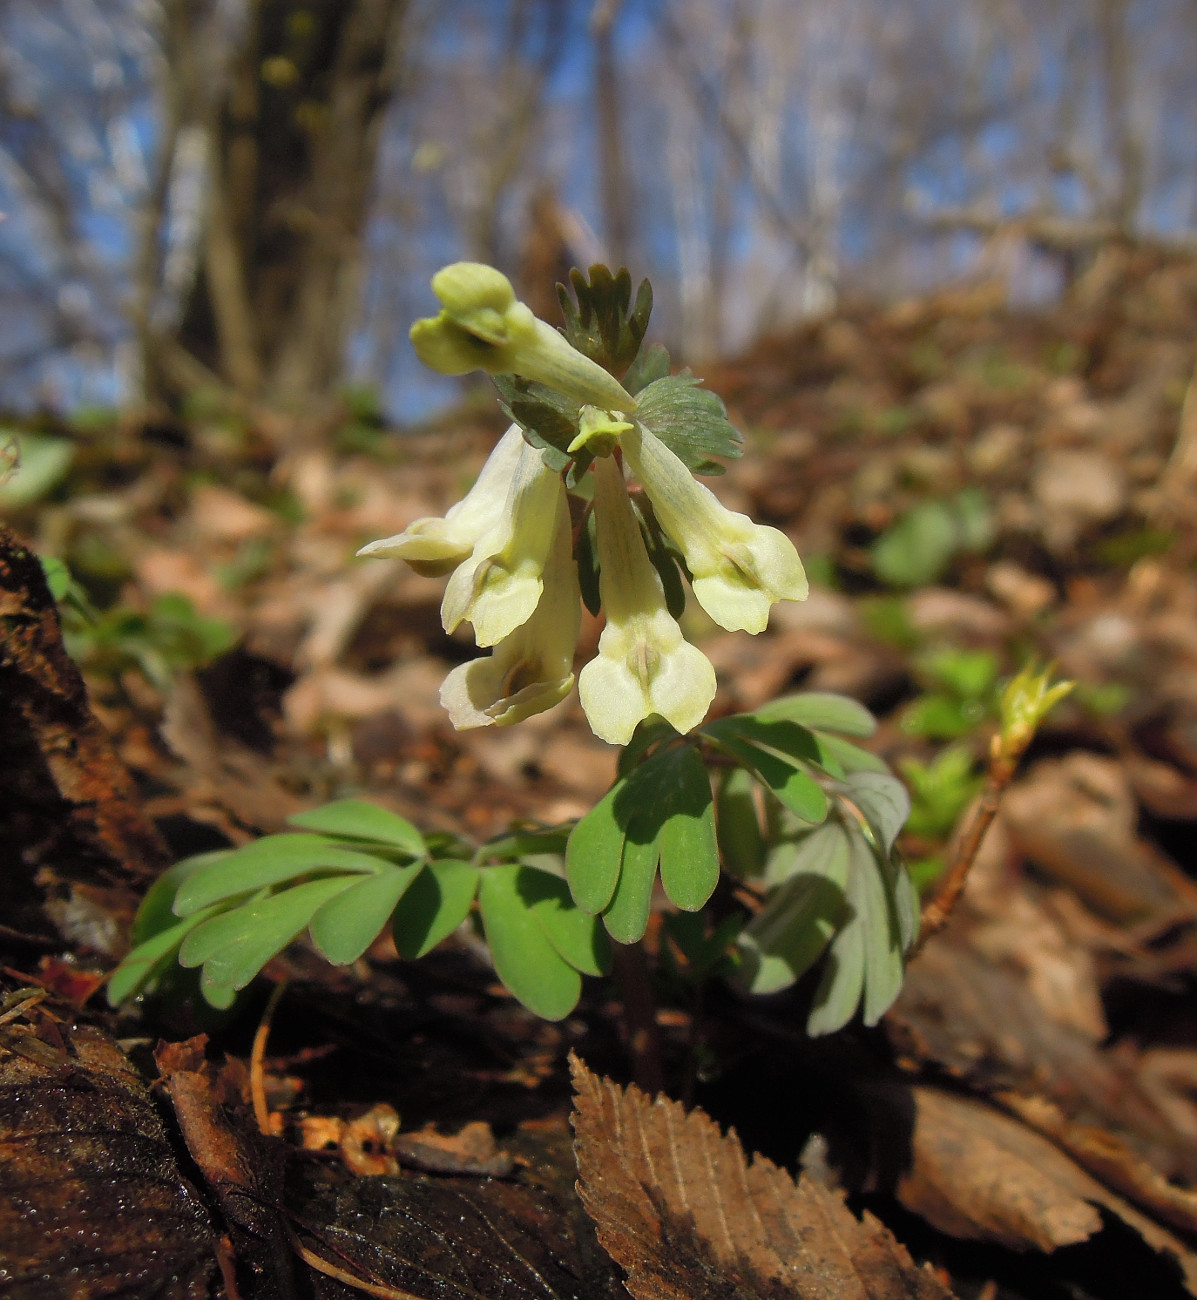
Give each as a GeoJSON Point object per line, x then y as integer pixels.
{"type": "Point", "coordinates": [960, 693]}
{"type": "Point", "coordinates": [164, 640]}
{"type": "Point", "coordinates": [922, 544]}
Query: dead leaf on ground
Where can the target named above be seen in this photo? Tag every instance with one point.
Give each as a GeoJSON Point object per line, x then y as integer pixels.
{"type": "Point", "coordinates": [92, 1201]}
{"type": "Point", "coordinates": [678, 1205]}
{"type": "Point", "coordinates": [984, 1176]}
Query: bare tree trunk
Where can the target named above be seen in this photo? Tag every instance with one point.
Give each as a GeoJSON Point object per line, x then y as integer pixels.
{"type": "Point", "coordinates": [288, 104]}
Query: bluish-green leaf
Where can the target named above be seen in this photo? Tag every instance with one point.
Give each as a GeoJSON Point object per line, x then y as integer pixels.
{"type": "Point", "coordinates": [269, 861]}
{"type": "Point", "coordinates": [525, 960]}
{"type": "Point", "coordinates": [841, 983]}
{"type": "Point", "coordinates": [883, 800]}
{"type": "Point", "coordinates": [738, 825]}
{"type": "Point", "coordinates": [435, 904]}
{"type": "Point", "coordinates": [688, 848]}
{"type": "Point", "coordinates": [850, 757]}
{"type": "Point", "coordinates": [795, 788]}
{"type": "Point", "coordinates": [869, 898]}
{"type": "Point", "coordinates": [789, 934]}
{"type": "Point", "coordinates": [347, 925]}
{"type": "Point", "coordinates": [817, 853]}
{"type": "Point", "coordinates": [357, 819]}
{"type": "Point", "coordinates": [691, 421]}
{"type": "Point", "coordinates": [576, 935]}
{"type": "Point", "coordinates": [234, 946]}
{"type": "Point", "coordinates": [626, 916]}
{"type": "Point", "coordinates": [594, 852]}
{"type": "Point", "coordinates": [821, 710]}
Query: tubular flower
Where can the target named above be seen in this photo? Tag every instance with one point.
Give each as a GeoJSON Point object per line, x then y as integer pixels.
{"type": "Point", "coordinates": [500, 584]}
{"type": "Point", "coordinates": [738, 568]}
{"type": "Point", "coordinates": [483, 326]}
{"type": "Point", "coordinates": [435, 546]}
{"type": "Point", "coordinates": [644, 666]}
{"type": "Point", "coordinates": [532, 669]}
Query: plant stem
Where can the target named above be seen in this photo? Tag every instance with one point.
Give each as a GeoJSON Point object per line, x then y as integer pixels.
{"type": "Point", "coordinates": [642, 1035]}
{"type": "Point", "coordinates": [1002, 766]}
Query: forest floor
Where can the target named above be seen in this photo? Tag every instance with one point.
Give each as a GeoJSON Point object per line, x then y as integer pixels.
{"type": "Point", "coordinates": [970, 487]}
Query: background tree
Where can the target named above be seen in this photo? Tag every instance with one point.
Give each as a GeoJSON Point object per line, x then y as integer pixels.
{"type": "Point", "coordinates": [251, 256]}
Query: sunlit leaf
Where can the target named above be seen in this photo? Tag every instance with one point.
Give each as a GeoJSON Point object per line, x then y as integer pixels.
{"type": "Point", "coordinates": [691, 421]}
{"type": "Point", "coordinates": [269, 861]}
{"type": "Point", "coordinates": [745, 738]}
{"type": "Point", "coordinates": [359, 820]}
{"type": "Point", "coordinates": [150, 957]}
{"type": "Point", "coordinates": [594, 852]}
{"type": "Point", "coordinates": [347, 925]}
{"type": "Point", "coordinates": [234, 946]}
{"type": "Point", "coordinates": [821, 710]}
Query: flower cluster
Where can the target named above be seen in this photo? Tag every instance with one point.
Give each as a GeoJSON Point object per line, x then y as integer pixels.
{"type": "Point", "coordinates": [509, 545]}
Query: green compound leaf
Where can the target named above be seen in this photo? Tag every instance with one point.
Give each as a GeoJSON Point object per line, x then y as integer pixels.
{"type": "Point", "coordinates": [821, 710]}
{"type": "Point", "coordinates": [864, 959]}
{"type": "Point", "coordinates": [691, 421]}
{"type": "Point", "coordinates": [576, 935]}
{"type": "Point", "coordinates": [355, 819]}
{"type": "Point", "coordinates": [847, 757]}
{"type": "Point", "coordinates": [347, 925]}
{"type": "Point", "coordinates": [626, 916]}
{"type": "Point", "coordinates": [773, 751]}
{"type": "Point", "coordinates": [870, 897]}
{"type": "Point", "coordinates": [738, 824]}
{"type": "Point", "coordinates": [151, 957]}
{"type": "Point", "coordinates": [884, 802]}
{"type": "Point", "coordinates": [434, 905]}
{"type": "Point", "coordinates": [269, 861]}
{"type": "Point", "coordinates": [157, 932]}
{"type": "Point", "coordinates": [525, 959]}
{"type": "Point", "coordinates": [794, 927]}
{"type": "Point", "coordinates": [234, 946]}
{"type": "Point", "coordinates": [594, 853]}
{"type": "Point", "coordinates": [688, 848]}
{"type": "Point", "coordinates": [809, 852]}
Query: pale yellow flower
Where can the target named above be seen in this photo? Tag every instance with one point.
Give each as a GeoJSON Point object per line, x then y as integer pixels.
{"type": "Point", "coordinates": [485, 327]}
{"type": "Point", "coordinates": [499, 585]}
{"type": "Point", "coordinates": [644, 665]}
{"type": "Point", "coordinates": [434, 546]}
{"type": "Point", "coordinates": [532, 669]}
{"type": "Point", "coordinates": [738, 568]}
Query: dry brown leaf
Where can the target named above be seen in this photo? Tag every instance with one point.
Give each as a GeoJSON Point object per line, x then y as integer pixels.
{"type": "Point", "coordinates": [677, 1204]}
{"type": "Point", "coordinates": [92, 1200]}
{"type": "Point", "coordinates": [984, 1176]}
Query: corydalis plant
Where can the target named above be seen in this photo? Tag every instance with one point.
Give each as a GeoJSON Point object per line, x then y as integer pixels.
{"type": "Point", "coordinates": [612, 461]}
{"type": "Point", "coordinates": [590, 497]}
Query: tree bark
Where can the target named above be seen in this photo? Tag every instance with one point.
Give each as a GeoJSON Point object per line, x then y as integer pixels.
{"type": "Point", "coordinates": [289, 104]}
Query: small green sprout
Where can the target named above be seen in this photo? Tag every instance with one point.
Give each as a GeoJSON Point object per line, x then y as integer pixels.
{"type": "Point", "coordinates": [1026, 701]}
